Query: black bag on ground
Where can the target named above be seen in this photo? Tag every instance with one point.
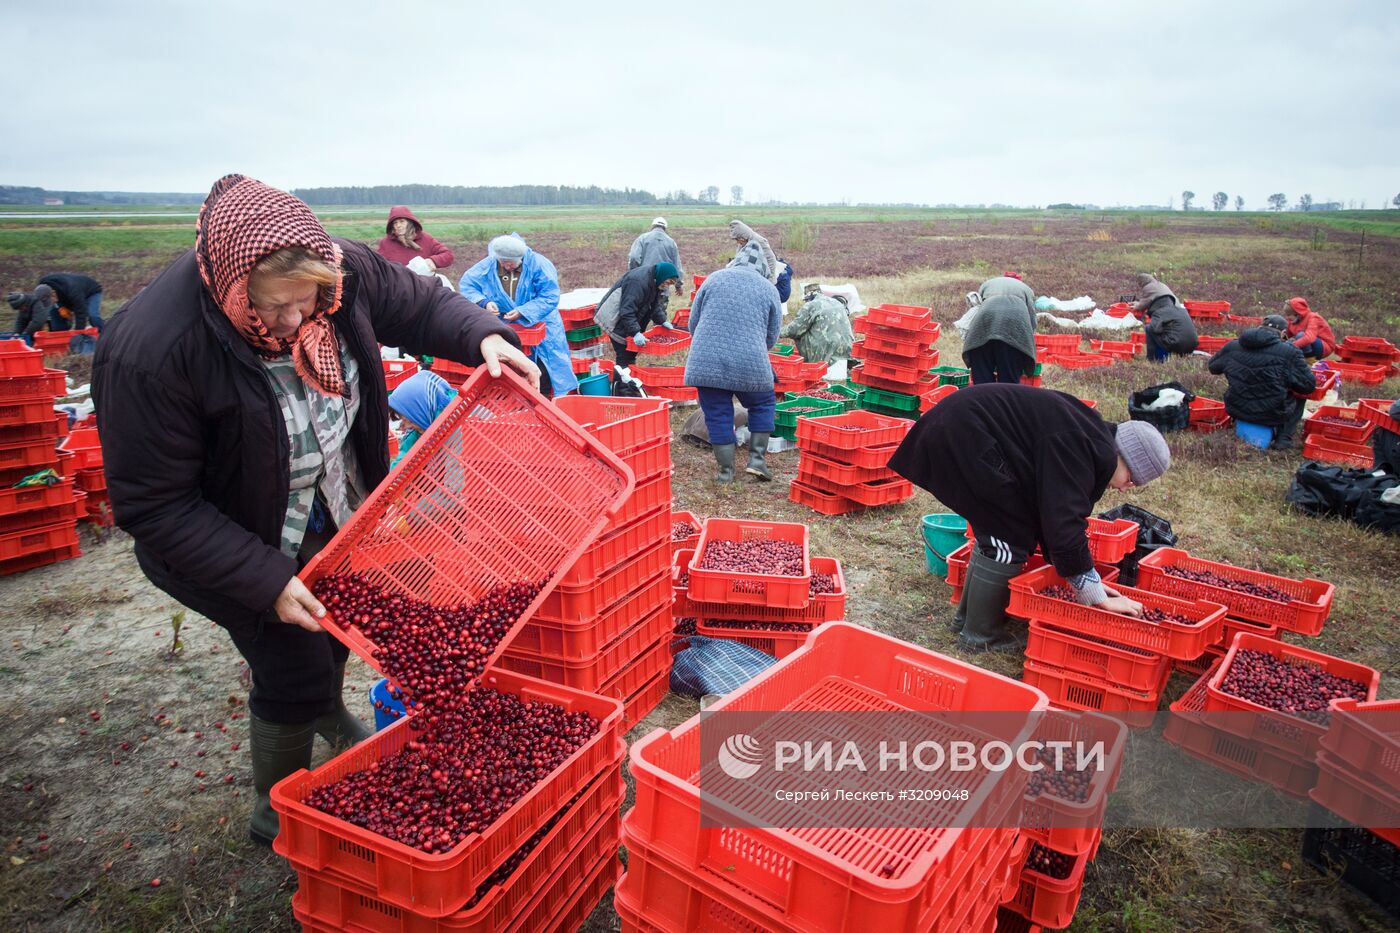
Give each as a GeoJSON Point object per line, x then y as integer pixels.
{"type": "Point", "coordinates": [1324, 489]}
{"type": "Point", "coordinates": [1171, 418]}
{"type": "Point", "coordinates": [1153, 532]}
{"type": "Point", "coordinates": [1381, 516]}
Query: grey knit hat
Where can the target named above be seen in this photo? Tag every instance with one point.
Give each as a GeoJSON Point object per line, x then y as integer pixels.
{"type": "Point", "coordinates": [1277, 322]}
{"type": "Point", "coordinates": [1143, 449]}
{"type": "Point", "coordinates": [43, 295]}
{"type": "Point", "coordinates": [508, 246]}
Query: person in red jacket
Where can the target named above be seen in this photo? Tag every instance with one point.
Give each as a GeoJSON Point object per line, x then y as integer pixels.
{"type": "Point", "coordinates": [404, 240]}
{"type": "Point", "coordinates": [1308, 331]}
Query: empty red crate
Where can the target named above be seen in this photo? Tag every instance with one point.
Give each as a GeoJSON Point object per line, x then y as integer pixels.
{"type": "Point", "coordinates": [1358, 798]}
{"type": "Point", "coordinates": [50, 385]}
{"type": "Point", "coordinates": [1174, 639]}
{"type": "Point", "coordinates": [1124, 665]}
{"type": "Point", "coordinates": [1294, 736]}
{"type": "Point", "coordinates": [853, 430]}
{"type": "Point", "coordinates": [84, 444]}
{"type": "Point", "coordinates": [1208, 344]}
{"type": "Point", "coordinates": [1058, 344]}
{"type": "Point", "coordinates": [1304, 613]}
{"type": "Point", "coordinates": [614, 549]}
{"type": "Point", "coordinates": [531, 335]}
{"type": "Point", "coordinates": [26, 411]}
{"type": "Point", "coordinates": [590, 673]}
{"type": "Point", "coordinates": [36, 559]}
{"type": "Point", "coordinates": [657, 377]}
{"type": "Point", "coordinates": [893, 877]}
{"type": "Point", "coordinates": [674, 393]}
{"type": "Point", "coordinates": [437, 885]}
{"type": "Point", "coordinates": [1245, 320]}
{"type": "Point", "coordinates": [586, 638]}
{"type": "Point", "coordinates": [873, 493]}
{"type": "Point", "coordinates": [1357, 432]}
{"type": "Point", "coordinates": [869, 458]}
{"type": "Point", "coordinates": [1366, 738]}
{"type": "Point", "coordinates": [918, 383]}
{"type": "Point", "coordinates": [1206, 414]}
{"type": "Point", "coordinates": [1073, 826]}
{"type": "Point", "coordinates": [786, 367]}
{"type": "Point", "coordinates": [1207, 310]}
{"type": "Point", "coordinates": [1188, 729]}
{"type": "Point", "coordinates": [925, 336]}
{"type": "Point", "coordinates": [91, 480]}
{"type": "Point", "coordinates": [1360, 373]}
{"type": "Point", "coordinates": [1051, 902]}
{"type": "Point", "coordinates": [28, 454]}
{"type": "Point", "coordinates": [582, 367]}
{"type": "Point", "coordinates": [648, 496]}
{"type": "Point", "coordinates": [1079, 360]}
{"type": "Point", "coordinates": [637, 676]}
{"type": "Point", "coordinates": [454, 373]}
{"type": "Point", "coordinates": [894, 353]}
{"type": "Point", "coordinates": [397, 372]}
{"type": "Point", "coordinates": [570, 604]}
{"type": "Point", "coordinates": [29, 541]}
{"type": "Point", "coordinates": [843, 473]}
{"type": "Point", "coordinates": [718, 586]}
{"type": "Point", "coordinates": [16, 499]}
{"type": "Point", "coordinates": [71, 511]}
{"type": "Point", "coordinates": [1121, 349]}
{"type": "Point", "coordinates": [17, 358]}
{"type": "Point", "coordinates": [900, 317]}
{"type": "Point", "coordinates": [57, 342]}
{"type": "Point", "coordinates": [1074, 690]}
{"type": "Point", "coordinates": [660, 341]}
{"type": "Point", "coordinates": [1331, 450]}
{"type": "Point", "coordinates": [578, 316]}
{"type": "Point", "coordinates": [818, 500]}
{"type": "Point", "coordinates": [1373, 346]}
{"type": "Point", "coordinates": [1111, 540]}
{"type": "Point", "coordinates": [1374, 410]}
{"type": "Point", "coordinates": [640, 704]}
{"type": "Point", "coordinates": [930, 399]}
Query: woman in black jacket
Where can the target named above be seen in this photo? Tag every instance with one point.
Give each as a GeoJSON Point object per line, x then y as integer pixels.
{"type": "Point", "coordinates": [1267, 377]}
{"type": "Point", "coordinates": [636, 300]}
{"type": "Point", "coordinates": [243, 416]}
{"type": "Point", "coordinates": [1169, 327]}
{"type": "Point", "coordinates": [1025, 467]}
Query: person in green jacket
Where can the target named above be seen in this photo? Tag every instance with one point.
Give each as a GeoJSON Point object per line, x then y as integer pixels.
{"type": "Point", "coordinates": [822, 329]}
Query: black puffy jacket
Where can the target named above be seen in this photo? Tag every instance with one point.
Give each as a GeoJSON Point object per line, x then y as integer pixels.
{"type": "Point", "coordinates": [1171, 326]}
{"type": "Point", "coordinates": [1262, 370]}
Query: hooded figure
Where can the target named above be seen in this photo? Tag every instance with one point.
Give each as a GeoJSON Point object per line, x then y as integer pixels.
{"type": "Point", "coordinates": [522, 287]}
{"type": "Point", "coordinates": [999, 345]}
{"type": "Point", "coordinates": [1308, 331]}
{"type": "Point", "coordinates": [27, 323]}
{"type": "Point", "coordinates": [1025, 467]}
{"type": "Point", "coordinates": [738, 230]}
{"type": "Point", "coordinates": [410, 242]}
{"type": "Point", "coordinates": [418, 401]}
{"type": "Point", "coordinates": [1169, 327]}
{"type": "Point", "coordinates": [1267, 378]}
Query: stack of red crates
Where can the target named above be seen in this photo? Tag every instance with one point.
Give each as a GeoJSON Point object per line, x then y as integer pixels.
{"type": "Point", "coordinates": [1327, 438]}
{"type": "Point", "coordinates": [1370, 351]}
{"type": "Point", "coordinates": [843, 462]}
{"type": "Point", "coordinates": [683, 874]}
{"type": "Point", "coordinates": [37, 523]}
{"type": "Point", "coordinates": [1359, 766]}
{"type": "Point", "coordinates": [502, 489]}
{"type": "Point", "coordinates": [791, 373]}
{"type": "Point", "coordinates": [86, 450]}
{"type": "Point", "coordinates": [456, 373]}
{"type": "Point", "coordinates": [1070, 827]}
{"type": "Point", "coordinates": [606, 629]}
{"type": "Point", "coordinates": [746, 608]}
{"type": "Point", "coordinates": [896, 349]}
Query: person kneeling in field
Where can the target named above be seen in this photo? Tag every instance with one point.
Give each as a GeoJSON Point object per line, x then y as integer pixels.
{"type": "Point", "coordinates": [1169, 328]}
{"type": "Point", "coordinates": [1025, 466]}
{"type": "Point", "coordinates": [1267, 379]}
{"type": "Point", "coordinates": [1308, 331]}
{"type": "Point", "coordinates": [822, 329]}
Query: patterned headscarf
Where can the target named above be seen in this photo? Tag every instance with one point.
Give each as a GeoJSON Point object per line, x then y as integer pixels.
{"type": "Point", "coordinates": [242, 221]}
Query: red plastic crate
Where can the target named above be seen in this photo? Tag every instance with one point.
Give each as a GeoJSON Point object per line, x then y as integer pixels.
{"type": "Point", "coordinates": [1207, 310]}
{"type": "Point", "coordinates": [1377, 411]}
{"type": "Point", "coordinates": [27, 411]}
{"type": "Point", "coordinates": [817, 500]}
{"type": "Point", "coordinates": [52, 384]}
{"type": "Point", "coordinates": [795, 386]}
{"type": "Point", "coordinates": [873, 494]}
{"type": "Point", "coordinates": [1360, 373]}
{"type": "Point", "coordinates": [455, 373]}
{"type": "Point", "coordinates": [27, 456]}
{"type": "Point", "coordinates": [1122, 349]}
{"type": "Point", "coordinates": [674, 393]}
{"type": "Point", "coordinates": [688, 542]}
{"type": "Point", "coordinates": [500, 489]}
{"type": "Point", "coordinates": [1073, 690]}
{"type": "Point", "coordinates": [1358, 798]}
{"type": "Point", "coordinates": [1366, 738]}
{"type": "Point", "coordinates": [1229, 628]}
{"type": "Point", "coordinates": [1209, 344]}
{"type": "Point", "coordinates": [531, 335]}
{"type": "Point", "coordinates": [621, 424]}
{"type": "Point", "coordinates": [1244, 320]}
{"type": "Point", "coordinates": [1079, 361]}
{"type": "Point", "coordinates": [1331, 450]}
{"type": "Point", "coordinates": [578, 641]}
{"type": "Point", "coordinates": [1119, 309]}
{"type": "Point", "coordinates": [819, 878]}
{"type": "Point", "coordinates": [1294, 736]}
{"type": "Point", "coordinates": [572, 605]}
{"type": "Point", "coordinates": [917, 383]}
{"type": "Point", "coordinates": [1070, 826]}
{"type": "Point", "coordinates": [56, 342]}
{"type": "Point", "coordinates": [786, 367]}
{"type": "Point", "coordinates": [720, 586]}
{"type": "Point", "coordinates": [91, 480]}
{"type": "Point", "coordinates": [930, 399]}
{"type": "Point", "coordinates": [843, 473]}
{"type": "Point", "coordinates": [48, 429]}
{"type": "Point", "coordinates": [1111, 540]}
{"type": "Point", "coordinates": [1378, 347]}
{"type": "Point", "coordinates": [659, 376]}
{"type": "Point", "coordinates": [17, 499]}
{"type": "Point", "coordinates": [42, 558]}
{"type": "Point", "coordinates": [778, 644]}
{"type": "Point", "coordinates": [1206, 414]}
{"type": "Point", "coordinates": [1058, 344]}
{"type": "Point", "coordinates": [1122, 665]}
{"type": "Point", "coordinates": [586, 835]}
{"type": "Point", "coordinates": [869, 458]}
{"type": "Point", "coordinates": [824, 607]}
{"type": "Point", "coordinates": [609, 552]}
{"type": "Point", "coordinates": [1326, 382]}
{"type": "Point", "coordinates": [853, 430]}
{"type": "Point", "coordinates": [894, 353]}
{"type": "Point", "coordinates": [1187, 729]}
{"type": "Point", "coordinates": [1195, 668]}
{"type": "Point", "coordinates": [648, 463]}
{"type": "Point", "coordinates": [648, 496]}
{"type": "Point", "coordinates": [1170, 638]}
{"type": "Point", "coordinates": [1304, 614]}
{"type": "Point", "coordinates": [1051, 902]}
{"type": "Point", "coordinates": [1358, 432]}
{"type": "Point", "coordinates": [436, 885]}
{"type": "Point", "coordinates": [582, 367]}
{"type": "Point", "coordinates": [590, 673]}
{"type": "Point", "coordinates": [84, 444]}
{"type": "Point", "coordinates": [640, 704]}
{"type": "Point", "coordinates": [639, 674]}
{"type": "Point", "coordinates": [580, 316]}
{"type": "Point", "coordinates": [925, 336]}
{"type": "Point", "coordinates": [397, 372]}
{"type": "Point", "coordinates": [900, 317]}
{"type": "Point", "coordinates": [661, 342]}
{"type": "Point", "coordinates": [30, 541]}
{"type": "Point", "coordinates": [71, 511]}
{"type": "Point", "coordinates": [17, 358]}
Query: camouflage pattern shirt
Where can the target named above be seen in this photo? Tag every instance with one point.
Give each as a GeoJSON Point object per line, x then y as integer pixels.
{"type": "Point", "coordinates": [322, 460]}
{"type": "Point", "coordinates": [821, 330]}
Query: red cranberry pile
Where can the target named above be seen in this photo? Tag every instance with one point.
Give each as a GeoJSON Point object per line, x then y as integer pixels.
{"type": "Point", "coordinates": [772, 558]}
{"type": "Point", "coordinates": [461, 773]}
{"type": "Point", "coordinates": [1210, 578]}
{"type": "Point", "coordinates": [433, 652]}
{"type": "Point", "coordinates": [684, 627]}
{"type": "Point", "coordinates": [1049, 862]}
{"type": "Point", "coordinates": [824, 393]}
{"type": "Point", "coordinates": [1287, 687]}
{"type": "Point", "coordinates": [800, 409]}
{"type": "Point", "coordinates": [752, 626]}
{"type": "Point", "coordinates": [1336, 419]}
{"type": "Point", "coordinates": [683, 529]}
{"type": "Point", "coordinates": [1073, 786]}
{"type": "Point", "coordinates": [822, 583]}
{"type": "Point", "coordinates": [1159, 616]}
{"type": "Point", "coordinates": [663, 339]}
{"type": "Point", "coordinates": [1059, 591]}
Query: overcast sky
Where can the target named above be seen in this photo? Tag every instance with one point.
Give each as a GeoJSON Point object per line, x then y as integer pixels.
{"type": "Point", "coordinates": [1102, 101]}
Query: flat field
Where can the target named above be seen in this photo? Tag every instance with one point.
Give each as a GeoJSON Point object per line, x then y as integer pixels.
{"type": "Point", "coordinates": [106, 726]}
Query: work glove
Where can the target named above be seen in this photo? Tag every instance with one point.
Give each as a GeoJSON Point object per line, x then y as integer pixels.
{"type": "Point", "coordinates": [639, 340]}
{"type": "Point", "coordinates": [668, 325]}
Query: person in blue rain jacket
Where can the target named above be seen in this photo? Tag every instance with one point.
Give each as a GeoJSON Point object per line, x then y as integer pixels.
{"type": "Point", "coordinates": [418, 401]}
{"type": "Point", "coordinates": [521, 286]}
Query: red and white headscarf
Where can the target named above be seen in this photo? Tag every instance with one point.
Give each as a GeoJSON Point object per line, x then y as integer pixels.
{"type": "Point", "coordinates": [242, 221]}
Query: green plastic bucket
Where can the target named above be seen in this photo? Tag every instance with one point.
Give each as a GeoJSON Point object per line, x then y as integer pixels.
{"type": "Point", "coordinates": [944, 533]}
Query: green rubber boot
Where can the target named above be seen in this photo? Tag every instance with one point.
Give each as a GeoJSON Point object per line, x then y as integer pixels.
{"type": "Point", "coordinates": [758, 449]}
{"type": "Point", "coordinates": [985, 597]}
{"type": "Point", "coordinates": [724, 456]}
{"type": "Point", "coordinates": [278, 749]}
{"type": "Point", "coordinates": [340, 727]}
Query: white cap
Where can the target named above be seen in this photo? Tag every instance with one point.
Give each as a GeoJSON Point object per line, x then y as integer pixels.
{"type": "Point", "coordinates": [659, 222]}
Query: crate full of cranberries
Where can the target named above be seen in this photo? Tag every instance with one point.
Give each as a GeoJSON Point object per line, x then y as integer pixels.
{"type": "Point", "coordinates": [1177, 628]}
{"type": "Point", "coordinates": [1286, 689]}
{"type": "Point", "coordinates": [1051, 885]}
{"type": "Point", "coordinates": [826, 587]}
{"type": "Point", "coordinates": [753, 563]}
{"type": "Point", "coordinates": [426, 810]}
{"type": "Point", "coordinates": [1064, 804]}
{"type": "Point", "coordinates": [1297, 605]}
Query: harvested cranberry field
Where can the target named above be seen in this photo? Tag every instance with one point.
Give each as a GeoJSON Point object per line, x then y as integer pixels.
{"type": "Point", "coordinates": [126, 786]}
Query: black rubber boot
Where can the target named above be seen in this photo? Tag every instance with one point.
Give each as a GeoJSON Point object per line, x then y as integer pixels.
{"type": "Point", "coordinates": [758, 448]}
{"type": "Point", "coordinates": [278, 749]}
{"type": "Point", "coordinates": [986, 595]}
{"type": "Point", "coordinates": [724, 456]}
{"type": "Point", "coordinates": [341, 727]}
{"type": "Point", "coordinates": [960, 614]}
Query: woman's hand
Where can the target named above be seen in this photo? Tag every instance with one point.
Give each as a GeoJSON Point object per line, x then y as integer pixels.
{"type": "Point", "coordinates": [511, 316]}
{"type": "Point", "coordinates": [296, 605]}
{"type": "Point", "coordinates": [1122, 605]}
{"type": "Point", "coordinates": [493, 307]}
{"type": "Point", "coordinates": [496, 350]}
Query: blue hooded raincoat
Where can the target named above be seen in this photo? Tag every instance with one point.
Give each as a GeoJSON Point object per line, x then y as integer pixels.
{"type": "Point", "coordinates": [421, 398]}
{"type": "Point", "coordinates": [537, 299]}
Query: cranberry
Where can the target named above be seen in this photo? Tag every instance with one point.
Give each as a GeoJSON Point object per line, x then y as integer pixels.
{"type": "Point", "coordinates": [1294, 688]}
{"type": "Point", "coordinates": [1210, 578]}
{"type": "Point", "coordinates": [1049, 862]}
{"type": "Point", "coordinates": [767, 557]}
{"type": "Point", "coordinates": [683, 529]}
{"type": "Point", "coordinates": [759, 626]}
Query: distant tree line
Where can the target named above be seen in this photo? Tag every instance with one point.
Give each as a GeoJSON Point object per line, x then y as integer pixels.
{"type": "Point", "coordinates": [532, 195]}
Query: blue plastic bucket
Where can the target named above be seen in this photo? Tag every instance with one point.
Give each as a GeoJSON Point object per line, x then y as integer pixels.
{"type": "Point", "coordinates": [594, 385]}
{"type": "Point", "coordinates": [944, 533]}
{"type": "Point", "coordinates": [1257, 435]}
{"type": "Point", "coordinates": [380, 696]}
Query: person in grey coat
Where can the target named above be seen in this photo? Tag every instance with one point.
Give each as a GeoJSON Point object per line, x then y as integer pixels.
{"type": "Point", "coordinates": [656, 246]}
{"type": "Point", "coordinates": [999, 345]}
{"type": "Point", "coordinates": [1010, 285]}
{"type": "Point", "coordinates": [745, 236]}
{"type": "Point", "coordinates": [734, 320]}
{"type": "Point", "coordinates": [1169, 328]}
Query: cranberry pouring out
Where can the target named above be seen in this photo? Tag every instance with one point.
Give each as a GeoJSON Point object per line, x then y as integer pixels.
{"type": "Point", "coordinates": [1297, 689]}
